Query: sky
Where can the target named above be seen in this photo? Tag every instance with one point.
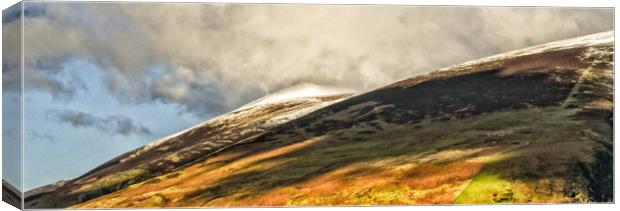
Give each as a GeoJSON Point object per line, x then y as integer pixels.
{"type": "Point", "coordinates": [104, 78]}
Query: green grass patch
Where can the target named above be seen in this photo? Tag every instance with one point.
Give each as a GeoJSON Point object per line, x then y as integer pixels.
{"type": "Point", "coordinates": [487, 188]}
{"type": "Point", "coordinates": [112, 182]}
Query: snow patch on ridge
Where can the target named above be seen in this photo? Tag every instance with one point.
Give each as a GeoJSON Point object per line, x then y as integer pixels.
{"type": "Point", "coordinates": [598, 39]}
{"type": "Point", "coordinates": [303, 90]}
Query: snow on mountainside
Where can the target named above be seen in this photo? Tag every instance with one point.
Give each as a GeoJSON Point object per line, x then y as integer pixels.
{"type": "Point", "coordinates": [302, 93]}
{"type": "Point", "coordinates": [528, 126]}
{"type": "Point", "coordinates": [598, 39]}
{"type": "Point", "coordinates": [190, 145]}
{"type": "Point", "coordinates": [303, 90]}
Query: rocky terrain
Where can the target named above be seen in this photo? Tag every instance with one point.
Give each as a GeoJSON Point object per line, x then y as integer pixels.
{"type": "Point", "coordinates": [527, 126]}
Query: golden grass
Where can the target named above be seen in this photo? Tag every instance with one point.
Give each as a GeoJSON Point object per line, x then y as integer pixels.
{"type": "Point", "coordinates": [399, 165]}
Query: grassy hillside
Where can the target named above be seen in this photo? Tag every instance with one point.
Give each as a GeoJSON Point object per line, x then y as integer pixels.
{"type": "Point", "coordinates": [175, 151]}
{"type": "Point", "coordinates": [495, 157]}
{"type": "Point", "coordinates": [529, 126]}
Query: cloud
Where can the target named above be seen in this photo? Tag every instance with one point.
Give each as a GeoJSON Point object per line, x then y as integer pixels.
{"type": "Point", "coordinates": [210, 58]}
{"type": "Point", "coordinates": [14, 12]}
{"type": "Point", "coordinates": [113, 124]}
{"type": "Point", "coordinates": [42, 136]}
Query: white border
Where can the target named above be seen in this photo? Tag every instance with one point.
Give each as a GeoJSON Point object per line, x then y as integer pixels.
{"type": "Point", "coordinates": [565, 3]}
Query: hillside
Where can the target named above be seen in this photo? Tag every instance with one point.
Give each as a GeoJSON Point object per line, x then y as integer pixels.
{"type": "Point", "coordinates": [527, 126]}
{"type": "Point", "coordinates": [185, 147]}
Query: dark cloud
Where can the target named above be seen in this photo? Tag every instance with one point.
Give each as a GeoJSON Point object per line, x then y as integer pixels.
{"type": "Point", "coordinates": [14, 12]}
{"type": "Point", "coordinates": [11, 49]}
{"type": "Point", "coordinates": [210, 58]}
{"type": "Point", "coordinates": [113, 124]}
{"type": "Point", "coordinates": [50, 77]}
{"type": "Point", "coordinates": [42, 136]}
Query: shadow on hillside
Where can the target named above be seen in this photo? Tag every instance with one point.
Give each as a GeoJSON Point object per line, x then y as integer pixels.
{"type": "Point", "coordinates": [549, 159]}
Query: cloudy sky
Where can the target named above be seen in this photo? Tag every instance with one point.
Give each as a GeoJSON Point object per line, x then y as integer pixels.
{"type": "Point", "coordinates": [105, 78]}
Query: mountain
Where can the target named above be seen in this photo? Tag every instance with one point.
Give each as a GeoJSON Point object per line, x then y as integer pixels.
{"type": "Point", "coordinates": [188, 146]}
{"type": "Point", "coordinates": [527, 126]}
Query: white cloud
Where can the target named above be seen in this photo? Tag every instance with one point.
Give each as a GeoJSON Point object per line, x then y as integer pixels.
{"type": "Point", "coordinates": [217, 57]}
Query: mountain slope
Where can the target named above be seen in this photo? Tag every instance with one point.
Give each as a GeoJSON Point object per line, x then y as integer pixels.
{"type": "Point", "coordinates": [185, 147]}
{"type": "Point", "coordinates": [532, 125]}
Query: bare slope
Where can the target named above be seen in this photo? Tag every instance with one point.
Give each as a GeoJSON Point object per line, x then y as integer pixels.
{"type": "Point", "coordinates": [174, 151]}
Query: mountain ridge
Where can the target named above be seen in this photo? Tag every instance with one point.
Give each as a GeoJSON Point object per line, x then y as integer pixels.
{"type": "Point", "coordinates": [450, 136]}
{"type": "Point", "coordinates": [164, 154]}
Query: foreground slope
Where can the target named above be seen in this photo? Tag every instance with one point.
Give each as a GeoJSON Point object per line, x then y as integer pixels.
{"type": "Point", "coordinates": [528, 126]}
{"type": "Point", "coordinates": [180, 149]}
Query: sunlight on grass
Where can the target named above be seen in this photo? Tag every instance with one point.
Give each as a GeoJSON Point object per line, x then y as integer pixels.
{"type": "Point", "coordinates": [486, 188]}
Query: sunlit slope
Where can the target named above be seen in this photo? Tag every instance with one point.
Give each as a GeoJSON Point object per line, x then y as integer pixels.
{"type": "Point", "coordinates": [528, 126]}
{"type": "Point", "coordinates": [185, 147]}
